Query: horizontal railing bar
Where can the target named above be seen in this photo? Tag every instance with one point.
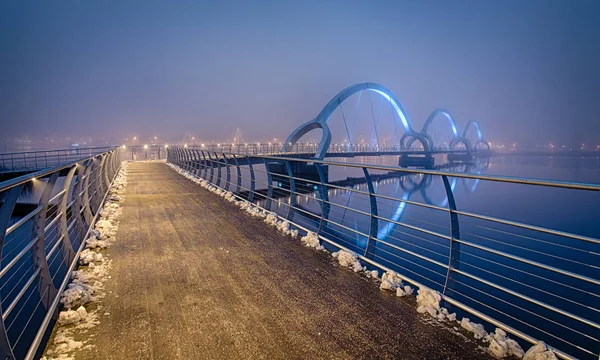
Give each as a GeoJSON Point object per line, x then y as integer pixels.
{"type": "Point", "coordinates": [17, 257]}
{"type": "Point", "coordinates": [527, 238]}
{"type": "Point", "coordinates": [523, 248]}
{"type": "Point", "coordinates": [529, 299]}
{"type": "Point", "coordinates": [463, 251]}
{"type": "Point", "coordinates": [58, 150]}
{"type": "Point", "coordinates": [19, 295]}
{"type": "Point", "coordinates": [530, 286]}
{"type": "Point", "coordinates": [56, 244]}
{"type": "Point", "coordinates": [416, 228]}
{"type": "Point", "coordinates": [57, 196]}
{"type": "Point", "coordinates": [24, 219]}
{"type": "Point", "coordinates": [56, 218]}
{"type": "Point", "coordinates": [530, 262]}
{"type": "Point", "coordinates": [529, 227]}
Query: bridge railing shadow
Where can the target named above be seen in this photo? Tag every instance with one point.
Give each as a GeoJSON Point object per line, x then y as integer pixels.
{"type": "Point", "coordinates": [535, 282]}
{"type": "Point", "coordinates": [45, 217]}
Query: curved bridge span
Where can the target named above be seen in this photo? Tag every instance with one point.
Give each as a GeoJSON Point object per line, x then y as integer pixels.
{"type": "Point", "coordinates": [400, 119]}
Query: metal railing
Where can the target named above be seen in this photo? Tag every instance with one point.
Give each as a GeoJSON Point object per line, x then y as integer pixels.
{"type": "Point", "coordinates": [535, 282]}
{"type": "Point", "coordinates": [44, 159]}
{"type": "Point", "coordinates": [45, 217]}
{"type": "Point", "coordinates": [301, 148]}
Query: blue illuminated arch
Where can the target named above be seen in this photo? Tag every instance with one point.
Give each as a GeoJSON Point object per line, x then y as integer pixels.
{"type": "Point", "coordinates": [407, 140]}
{"type": "Point", "coordinates": [320, 122]}
{"type": "Point", "coordinates": [480, 138]}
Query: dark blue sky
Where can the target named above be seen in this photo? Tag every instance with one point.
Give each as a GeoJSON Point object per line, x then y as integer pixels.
{"type": "Point", "coordinates": [526, 70]}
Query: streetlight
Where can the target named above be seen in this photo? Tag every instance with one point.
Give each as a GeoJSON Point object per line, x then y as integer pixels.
{"type": "Point", "coordinates": [166, 146]}
{"type": "Point", "coordinates": [145, 146]}
{"type": "Point", "coordinates": [123, 146]}
{"type": "Point", "coordinates": [184, 145]}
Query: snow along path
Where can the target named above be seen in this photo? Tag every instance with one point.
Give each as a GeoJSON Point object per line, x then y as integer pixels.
{"type": "Point", "coordinates": [193, 277]}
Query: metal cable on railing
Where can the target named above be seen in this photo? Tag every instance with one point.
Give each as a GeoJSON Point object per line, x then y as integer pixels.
{"type": "Point", "coordinates": [471, 260]}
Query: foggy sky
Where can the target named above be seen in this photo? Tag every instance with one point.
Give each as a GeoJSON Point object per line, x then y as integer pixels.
{"type": "Point", "coordinates": [525, 70]}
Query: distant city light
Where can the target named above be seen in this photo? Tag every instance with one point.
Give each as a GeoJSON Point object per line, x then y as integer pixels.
{"type": "Point", "coordinates": [184, 145]}
{"type": "Point", "coordinates": [166, 146]}
{"type": "Point", "coordinates": [124, 146]}
{"type": "Point", "coordinates": [155, 138]}
{"type": "Point", "coordinates": [202, 145]}
{"type": "Point", "coordinates": [145, 146]}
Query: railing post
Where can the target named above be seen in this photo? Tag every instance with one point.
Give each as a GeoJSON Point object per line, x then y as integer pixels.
{"type": "Point", "coordinates": [269, 185]}
{"type": "Point", "coordinates": [252, 180]}
{"type": "Point", "coordinates": [212, 167]}
{"type": "Point", "coordinates": [218, 169]}
{"type": "Point", "coordinates": [39, 252]}
{"type": "Point", "coordinates": [228, 176]}
{"type": "Point", "coordinates": [293, 196]}
{"type": "Point", "coordinates": [187, 160]}
{"type": "Point", "coordinates": [239, 175]}
{"type": "Point", "coordinates": [68, 254]}
{"type": "Point", "coordinates": [374, 221]}
{"type": "Point", "coordinates": [87, 212]}
{"type": "Point", "coordinates": [6, 210]}
{"type": "Point", "coordinates": [204, 172]}
{"type": "Point", "coordinates": [324, 195]}
{"type": "Point", "coordinates": [196, 162]}
{"type": "Point", "coordinates": [454, 257]}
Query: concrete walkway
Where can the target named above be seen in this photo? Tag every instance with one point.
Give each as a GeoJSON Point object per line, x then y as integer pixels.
{"type": "Point", "coordinates": [194, 277]}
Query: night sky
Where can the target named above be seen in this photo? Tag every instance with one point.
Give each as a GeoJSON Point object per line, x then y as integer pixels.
{"type": "Point", "coordinates": [527, 71]}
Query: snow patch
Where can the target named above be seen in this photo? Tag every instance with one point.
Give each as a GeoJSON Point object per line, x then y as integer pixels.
{"type": "Point", "coordinates": [312, 240]}
{"type": "Point", "coordinates": [391, 280]}
{"type": "Point", "coordinates": [477, 329]}
{"type": "Point", "coordinates": [348, 259]}
{"type": "Point", "coordinates": [502, 346]}
{"type": "Point", "coordinates": [539, 352]}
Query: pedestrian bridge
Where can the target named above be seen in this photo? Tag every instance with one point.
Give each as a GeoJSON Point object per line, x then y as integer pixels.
{"type": "Point", "coordinates": [194, 276]}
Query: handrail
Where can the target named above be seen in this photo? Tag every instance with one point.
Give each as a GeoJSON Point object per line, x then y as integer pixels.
{"type": "Point", "coordinates": [33, 233]}
{"type": "Point", "coordinates": [486, 265]}
{"type": "Point", "coordinates": [105, 148]}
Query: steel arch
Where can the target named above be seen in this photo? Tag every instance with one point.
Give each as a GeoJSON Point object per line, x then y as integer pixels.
{"type": "Point", "coordinates": [320, 122]}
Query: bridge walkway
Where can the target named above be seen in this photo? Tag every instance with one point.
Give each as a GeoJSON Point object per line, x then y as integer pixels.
{"type": "Point", "coordinates": [194, 277]}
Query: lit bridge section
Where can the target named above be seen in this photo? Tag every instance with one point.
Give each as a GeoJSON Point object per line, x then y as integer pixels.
{"type": "Point", "coordinates": [536, 283]}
